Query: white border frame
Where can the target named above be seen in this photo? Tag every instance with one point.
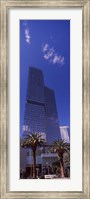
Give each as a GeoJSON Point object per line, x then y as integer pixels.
{"type": "Point", "coordinates": [75, 182]}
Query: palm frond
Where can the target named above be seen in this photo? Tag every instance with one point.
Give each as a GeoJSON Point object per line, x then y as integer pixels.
{"type": "Point", "coordinates": [32, 141]}
{"type": "Point", "coordinates": [60, 146]}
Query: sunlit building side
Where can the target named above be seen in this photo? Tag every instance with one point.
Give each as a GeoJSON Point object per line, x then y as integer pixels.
{"type": "Point", "coordinates": [65, 133]}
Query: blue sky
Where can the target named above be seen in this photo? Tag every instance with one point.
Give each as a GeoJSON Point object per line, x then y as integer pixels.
{"type": "Point", "coordinates": [45, 44]}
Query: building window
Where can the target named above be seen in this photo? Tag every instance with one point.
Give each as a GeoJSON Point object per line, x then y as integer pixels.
{"type": "Point", "coordinates": [27, 153]}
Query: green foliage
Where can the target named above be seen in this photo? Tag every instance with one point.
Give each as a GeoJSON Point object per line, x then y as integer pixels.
{"type": "Point", "coordinates": [60, 147]}
{"type": "Point", "coordinates": [63, 151]}
{"type": "Point", "coordinates": [32, 141]}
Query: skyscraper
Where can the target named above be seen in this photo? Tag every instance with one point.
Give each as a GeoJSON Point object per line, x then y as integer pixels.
{"type": "Point", "coordinates": [52, 124]}
{"type": "Point", "coordinates": [34, 116]}
{"type": "Point", "coordinates": [40, 108]}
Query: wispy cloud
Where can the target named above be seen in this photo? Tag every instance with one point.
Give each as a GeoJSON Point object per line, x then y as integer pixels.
{"type": "Point", "coordinates": [27, 36]}
{"type": "Point", "coordinates": [27, 33]}
{"type": "Point", "coordinates": [45, 47]}
{"type": "Point", "coordinates": [50, 54]}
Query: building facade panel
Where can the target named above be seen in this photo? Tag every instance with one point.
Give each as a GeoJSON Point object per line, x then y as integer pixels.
{"type": "Point", "coordinates": [34, 116]}
{"type": "Point", "coordinates": [52, 123]}
{"type": "Point", "coordinates": [40, 107]}
{"type": "Point", "coordinates": [35, 88]}
{"type": "Point", "coordinates": [65, 133]}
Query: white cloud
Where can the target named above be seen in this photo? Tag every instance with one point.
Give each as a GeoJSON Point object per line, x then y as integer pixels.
{"type": "Point", "coordinates": [51, 55]}
{"type": "Point", "coordinates": [46, 56]}
{"type": "Point", "coordinates": [58, 59]}
{"type": "Point", "coordinates": [27, 36]}
{"type": "Point", "coordinates": [51, 52]}
{"type": "Point", "coordinates": [62, 60]}
{"type": "Point", "coordinates": [45, 47]}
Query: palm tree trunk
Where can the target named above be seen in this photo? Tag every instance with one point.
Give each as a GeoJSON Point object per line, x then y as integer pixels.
{"type": "Point", "coordinates": [62, 169]}
{"type": "Point", "coordinates": [34, 163]}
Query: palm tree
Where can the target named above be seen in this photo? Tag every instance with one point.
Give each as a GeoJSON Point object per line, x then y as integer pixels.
{"type": "Point", "coordinates": [66, 161]}
{"type": "Point", "coordinates": [60, 147]}
{"type": "Point", "coordinates": [32, 141]}
{"type": "Point", "coordinates": [55, 167]}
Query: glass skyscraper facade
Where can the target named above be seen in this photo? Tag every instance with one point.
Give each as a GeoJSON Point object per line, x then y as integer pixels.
{"type": "Point", "coordinates": [40, 108]}
{"type": "Point", "coordinates": [34, 116]}
{"type": "Point", "coordinates": [52, 124]}
{"type": "Point", "coordinates": [35, 87]}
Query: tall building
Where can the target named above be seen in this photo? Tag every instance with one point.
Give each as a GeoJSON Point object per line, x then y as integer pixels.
{"type": "Point", "coordinates": [34, 116]}
{"type": "Point", "coordinates": [40, 108]}
{"type": "Point", "coordinates": [52, 123]}
{"type": "Point", "coordinates": [65, 133]}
